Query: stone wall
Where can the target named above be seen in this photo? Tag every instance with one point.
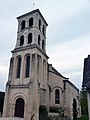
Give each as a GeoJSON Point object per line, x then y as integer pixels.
{"type": "Point", "coordinates": [71, 93]}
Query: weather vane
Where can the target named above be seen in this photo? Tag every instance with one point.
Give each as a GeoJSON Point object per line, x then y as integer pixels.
{"type": "Point", "coordinates": [33, 6]}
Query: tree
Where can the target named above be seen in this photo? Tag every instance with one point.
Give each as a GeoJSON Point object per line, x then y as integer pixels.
{"type": "Point", "coordinates": [1, 101]}
{"type": "Point", "coordinates": [84, 105]}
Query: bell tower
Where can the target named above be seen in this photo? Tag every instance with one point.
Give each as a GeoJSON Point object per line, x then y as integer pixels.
{"type": "Point", "coordinates": [31, 30]}
{"type": "Point", "coordinates": [26, 88]}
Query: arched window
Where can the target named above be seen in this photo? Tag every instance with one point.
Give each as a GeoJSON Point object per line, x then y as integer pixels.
{"type": "Point", "coordinates": [57, 96]}
{"type": "Point", "coordinates": [39, 40]}
{"type": "Point", "coordinates": [29, 38]}
{"type": "Point", "coordinates": [18, 67]}
{"type": "Point", "coordinates": [21, 40]}
{"type": "Point", "coordinates": [31, 22]}
{"type": "Point", "coordinates": [11, 68]}
{"type": "Point", "coordinates": [27, 66]}
{"type": "Point", "coordinates": [43, 44]}
{"type": "Point", "coordinates": [43, 30]}
{"type": "Point", "coordinates": [39, 24]}
{"type": "Point", "coordinates": [23, 25]}
{"type": "Point", "coordinates": [19, 108]}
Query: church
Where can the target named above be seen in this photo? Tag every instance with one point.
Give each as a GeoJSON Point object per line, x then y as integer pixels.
{"type": "Point", "coordinates": [33, 83]}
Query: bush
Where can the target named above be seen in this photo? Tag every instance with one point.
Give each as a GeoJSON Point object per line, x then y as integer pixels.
{"type": "Point", "coordinates": [84, 104]}
{"type": "Point", "coordinates": [1, 101]}
{"type": "Point", "coordinates": [42, 109]}
{"type": "Point", "coordinates": [83, 117]}
{"type": "Point", "coordinates": [56, 109]}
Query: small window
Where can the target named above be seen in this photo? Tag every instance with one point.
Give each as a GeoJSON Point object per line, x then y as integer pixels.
{"type": "Point", "coordinates": [27, 66]}
{"type": "Point", "coordinates": [18, 67]}
{"type": "Point", "coordinates": [23, 25]}
{"type": "Point", "coordinates": [57, 96]}
{"type": "Point", "coordinates": [29, 38]}
{"type": "Point", "coordinates": [39, 25]}
{"type": "Point", "coordinates": [11, 68]}
{"type": "Point", "coordinates": [11, 63]}
{"type": "Point", "coordinates": [31, 22]}
{"type": "Point", "coordinates": [21, 40]}
{"type": "Point", "coordinates": [43, 30]}
{"type": "Point", "coordinates": [43, 44]}
{"type": "Point", "coordinates": [39, 40]}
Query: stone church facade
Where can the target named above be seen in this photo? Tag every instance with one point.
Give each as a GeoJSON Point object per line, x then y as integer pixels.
{"type": "Point", "coordinates": [32, 81]}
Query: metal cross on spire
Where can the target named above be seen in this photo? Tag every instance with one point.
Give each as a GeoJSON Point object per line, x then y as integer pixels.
{"type": "Point", "coordinates": [33, 6]}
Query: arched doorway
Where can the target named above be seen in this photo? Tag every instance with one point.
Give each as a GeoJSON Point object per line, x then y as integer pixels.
{"type": "Point", "coordinates": [19, 108]}
{"type": "Point", "coordinates": [75, 109]}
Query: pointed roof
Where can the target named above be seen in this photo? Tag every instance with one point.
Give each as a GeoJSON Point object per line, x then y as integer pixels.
{"type": "Point", "coordinates": [29, 13]}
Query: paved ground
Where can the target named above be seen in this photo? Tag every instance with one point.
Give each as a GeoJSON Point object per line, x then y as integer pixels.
{"type": "Point", "coordinates": [11, 118]}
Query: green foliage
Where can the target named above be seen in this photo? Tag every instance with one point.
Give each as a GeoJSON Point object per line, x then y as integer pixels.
{"type": "Point", "coordinates": [1, 101]}
{"type": "Point", "coordinates": [43, 109]}
{"type": "Point", "coordinates": [84, 105]}
{"type": "Point", "coordinates": [43, 114]}
{"type": "Point", "coordinates": [83, 117]}
{"type": "Point", "coordinates": [56, 109]}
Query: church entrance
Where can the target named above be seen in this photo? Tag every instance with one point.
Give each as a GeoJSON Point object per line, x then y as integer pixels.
{"type": "Point", "coordinates": [19, 108]}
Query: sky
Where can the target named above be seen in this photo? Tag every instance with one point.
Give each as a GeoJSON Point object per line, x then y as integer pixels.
{"type": "Point", "coordinates": [68, 34]}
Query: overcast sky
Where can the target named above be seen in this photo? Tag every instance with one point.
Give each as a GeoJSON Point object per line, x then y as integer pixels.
{"type": "Point", "coordinates": [68, 34]}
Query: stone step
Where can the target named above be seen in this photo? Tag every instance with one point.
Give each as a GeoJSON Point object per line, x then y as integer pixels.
{"type": "Point", "coordinates": [12, 118]}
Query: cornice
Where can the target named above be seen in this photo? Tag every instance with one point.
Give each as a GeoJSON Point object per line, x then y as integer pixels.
{"type": "Point", "coordinates": [22, 48]}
